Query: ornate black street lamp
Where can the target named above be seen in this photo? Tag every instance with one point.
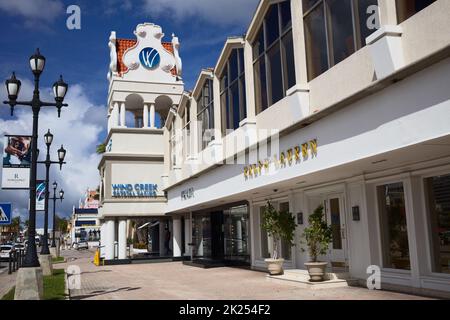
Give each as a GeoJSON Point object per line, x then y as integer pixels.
{"type": "Point", "coordinates": [37, 64]}
{"type": "Point", "coordinates": [61, 197]}
{"type": "Point", "coordinates": [61, 155]}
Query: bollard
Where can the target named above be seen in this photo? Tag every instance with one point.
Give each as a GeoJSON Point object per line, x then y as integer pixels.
{"type": "Point", "coordinates": [9, 264]}
{"type": "Point", "coordinates": [14, 261]}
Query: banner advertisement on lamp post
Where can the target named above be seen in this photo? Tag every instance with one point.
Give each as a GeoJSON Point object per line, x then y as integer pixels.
{"type": "Point", "coordinates": [16, 162]}
{"type": "Point", "coordinates": [40, 196]}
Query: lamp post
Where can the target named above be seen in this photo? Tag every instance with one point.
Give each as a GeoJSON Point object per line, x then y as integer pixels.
{"type": "Point", "coordinates": [37, 64]}
{"type": "Point", "coordinates": [61, 197]}
{"type": "Point", "coordinates": [61, 155]}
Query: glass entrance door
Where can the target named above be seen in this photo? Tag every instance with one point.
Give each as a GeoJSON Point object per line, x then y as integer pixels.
{"type": "Point", "coordinates": [335, 213]}
{"type": "Point", "coordinates": [236, 232]}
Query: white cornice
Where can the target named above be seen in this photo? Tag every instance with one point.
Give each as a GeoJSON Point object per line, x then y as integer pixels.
{"type": "Point", "coordinates": [230, 44]}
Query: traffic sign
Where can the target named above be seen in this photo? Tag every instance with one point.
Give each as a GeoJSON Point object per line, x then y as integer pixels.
{"type": "Point", "coordinates": [5, 214]}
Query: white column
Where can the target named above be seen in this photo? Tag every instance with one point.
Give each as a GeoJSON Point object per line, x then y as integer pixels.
{"type": "Point", "coordinates": [145, 116]}
{"type": "Point", "coordinates": [152, 115]}
{"type": "Point", "coordinates": [123, 112]}
{"type": "Point", "coordinates": [109, 239]}
{"type": "Point", "coordinates": [177, 241]}
{"type": "Point", "coordinates": [109, 122]}
{"type": "Point", "coordinates": [122, 239]}
{"type": "Point", "coordinates": [115, 115]}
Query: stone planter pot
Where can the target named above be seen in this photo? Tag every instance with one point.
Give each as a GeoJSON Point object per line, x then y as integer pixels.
{"type": "Point", "coordinates": [275, 266]}
{"type": "Point", "coordinates": [316, 271]}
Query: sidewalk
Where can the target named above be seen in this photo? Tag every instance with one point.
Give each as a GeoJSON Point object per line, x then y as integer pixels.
{"type": "Point", "coordinates": [7, 281]}
{"type": "Point", "coordinates": [175, 281]}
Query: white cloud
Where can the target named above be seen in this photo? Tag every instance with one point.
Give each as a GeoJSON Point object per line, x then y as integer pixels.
{"type": "Point", "coordinates": [79, 129]}
{"type": "Point", "coordinates": [221, 12]}
{"type": "Point", "coordinates": [33, 9]}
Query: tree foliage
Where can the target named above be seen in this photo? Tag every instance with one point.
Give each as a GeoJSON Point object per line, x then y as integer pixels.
{"type": "Point", "coordinates": [101, 148]}
{"type": "Point", "coordinates": [318, 235]}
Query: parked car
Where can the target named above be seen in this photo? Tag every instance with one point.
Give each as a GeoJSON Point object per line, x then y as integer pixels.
{"type": "Point", "coordinates": [5, 249]}
{"type": "Point", "coordinates": [81, 245]}
{"type": "Point", "coordinates": [19, 246]}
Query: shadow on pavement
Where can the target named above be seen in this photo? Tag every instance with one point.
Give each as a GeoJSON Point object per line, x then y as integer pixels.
{"type": "Point", "coordinates": [102, 292]}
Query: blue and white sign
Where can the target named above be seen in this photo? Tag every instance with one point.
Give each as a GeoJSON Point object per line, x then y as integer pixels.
{"type": "Point", "coordinates": [150, 58]}
{"type": "Point", "coordinates": [138, 190]}
{"type": "Point", "coordinates": [5, 214]}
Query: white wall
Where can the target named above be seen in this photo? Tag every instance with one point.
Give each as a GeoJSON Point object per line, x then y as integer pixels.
{"type": "Point", "coordinates": [394, 118]}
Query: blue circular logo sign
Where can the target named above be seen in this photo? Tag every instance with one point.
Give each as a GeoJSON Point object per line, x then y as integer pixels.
{"type": "Point", "coordinates": [150, 58]}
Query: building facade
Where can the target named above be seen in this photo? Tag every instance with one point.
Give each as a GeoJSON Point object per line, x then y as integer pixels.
{"type": "Point", "coordinates": [341, 104]}
{"type": "Point", "coordinates": [84, 224]}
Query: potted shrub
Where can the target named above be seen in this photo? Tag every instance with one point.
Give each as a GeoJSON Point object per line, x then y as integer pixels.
{"type": "Point", "coordinates": [280, 226]}
{"type": "Point", "coordinates": [318, 236]}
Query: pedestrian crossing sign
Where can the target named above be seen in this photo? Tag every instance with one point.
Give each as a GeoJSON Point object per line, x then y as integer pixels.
{"type": "Point", "coordinates": [5, 214]}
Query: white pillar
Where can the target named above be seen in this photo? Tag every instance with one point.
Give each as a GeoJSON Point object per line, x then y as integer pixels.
{"type": "Point", "coordinates": [109, 122]}
{"type": "Point", "coordinates": [109, 239]}
{"type": "Point", "coordinates": [122, 239]}
{"type": "Point", "coordinates": [152, 115]}
{"type": "Point", "coordinates": [123, 112]}
{"type": "Point", "coordinates": [115, 115]}
{"type": "Point", "coordinates": [177, 241]}
{"type": "Point", "coordinates": [145, 116]}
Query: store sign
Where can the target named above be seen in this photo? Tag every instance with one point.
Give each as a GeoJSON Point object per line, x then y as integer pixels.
{"type": "Point", "coordinates": [137, 190]}
{"type": "Point", "coordinates": [187, 194]}
{"type": "Point", "coordinates": [150, 58]}
{"type": "Point", "coordinates": [16, 162]}
{"type": "Point", "coordinates": [286, 158]}
{"type": "Point", "coordinates": [5, 214]}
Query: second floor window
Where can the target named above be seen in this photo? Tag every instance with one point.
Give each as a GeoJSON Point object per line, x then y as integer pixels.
{"type": "Point", "coordinates": [273, 57]}
{"type": "Point", "coordinates": [205, 115]}
{"type": "Point", "coordinates": [232, 92]}
{"type": "Point", "coordinates": [407, 8]}
{"type": "Point", "coordinates": [335, 29]}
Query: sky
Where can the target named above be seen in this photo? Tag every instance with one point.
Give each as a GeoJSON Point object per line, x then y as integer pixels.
{"type": "Point", "coordinates": [82, 57]}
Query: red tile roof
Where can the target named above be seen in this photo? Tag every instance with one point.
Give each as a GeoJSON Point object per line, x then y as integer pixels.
{"type": "Point", "coordinates": [123, 45]}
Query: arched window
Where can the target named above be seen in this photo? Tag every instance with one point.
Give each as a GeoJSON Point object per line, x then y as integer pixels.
{"type": "Point", "coordinates": [273, 56]}
{"type": "Point", "coordinates": [232, 92]}
{"type": "Point", "coordinates": [205, 115]}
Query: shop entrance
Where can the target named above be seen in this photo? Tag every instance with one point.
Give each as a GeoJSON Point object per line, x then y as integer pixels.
{"type": "Point", "coordinates": [335, 216]}
{"type": "Point", "coordinates": [221, 235]}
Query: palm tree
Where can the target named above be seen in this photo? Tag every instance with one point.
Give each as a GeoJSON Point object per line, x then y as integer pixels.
{"type": "Point", "coordinates": [101, 148]}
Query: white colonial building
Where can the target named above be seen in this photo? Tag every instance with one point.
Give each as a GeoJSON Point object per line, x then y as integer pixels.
{"type": "Point", "coordinates": [344, 104]}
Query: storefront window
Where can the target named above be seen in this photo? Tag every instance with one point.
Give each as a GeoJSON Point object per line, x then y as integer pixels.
{"type": "Point", "coordinates": [438, 195]}
{"type": "Point", "coordinates": [286, 249]}
{"type": "Point", "coordinates": [236, 234]}
{"type": "Point", "coordinates": [334, 30]}
{"type": "Point", "coordinates": [407, 8]}
{"type": "Point", "coordinates": [264, 238]}
{"type": "Point", "coordinates": [394, 231]}
{"type": "Point", "coordinates": [201, 236]}
{"type": "Point", "coordinates": [273, 62]}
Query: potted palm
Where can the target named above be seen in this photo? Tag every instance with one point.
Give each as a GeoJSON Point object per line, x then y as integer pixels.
{"type": "Point", "coordinates": [318, 236]}
{"type": "Point", "coordinates": [280, 226]}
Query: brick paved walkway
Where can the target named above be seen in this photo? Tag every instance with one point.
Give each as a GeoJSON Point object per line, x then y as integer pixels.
{"type": "Point", "coordinates": [175, 281]}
